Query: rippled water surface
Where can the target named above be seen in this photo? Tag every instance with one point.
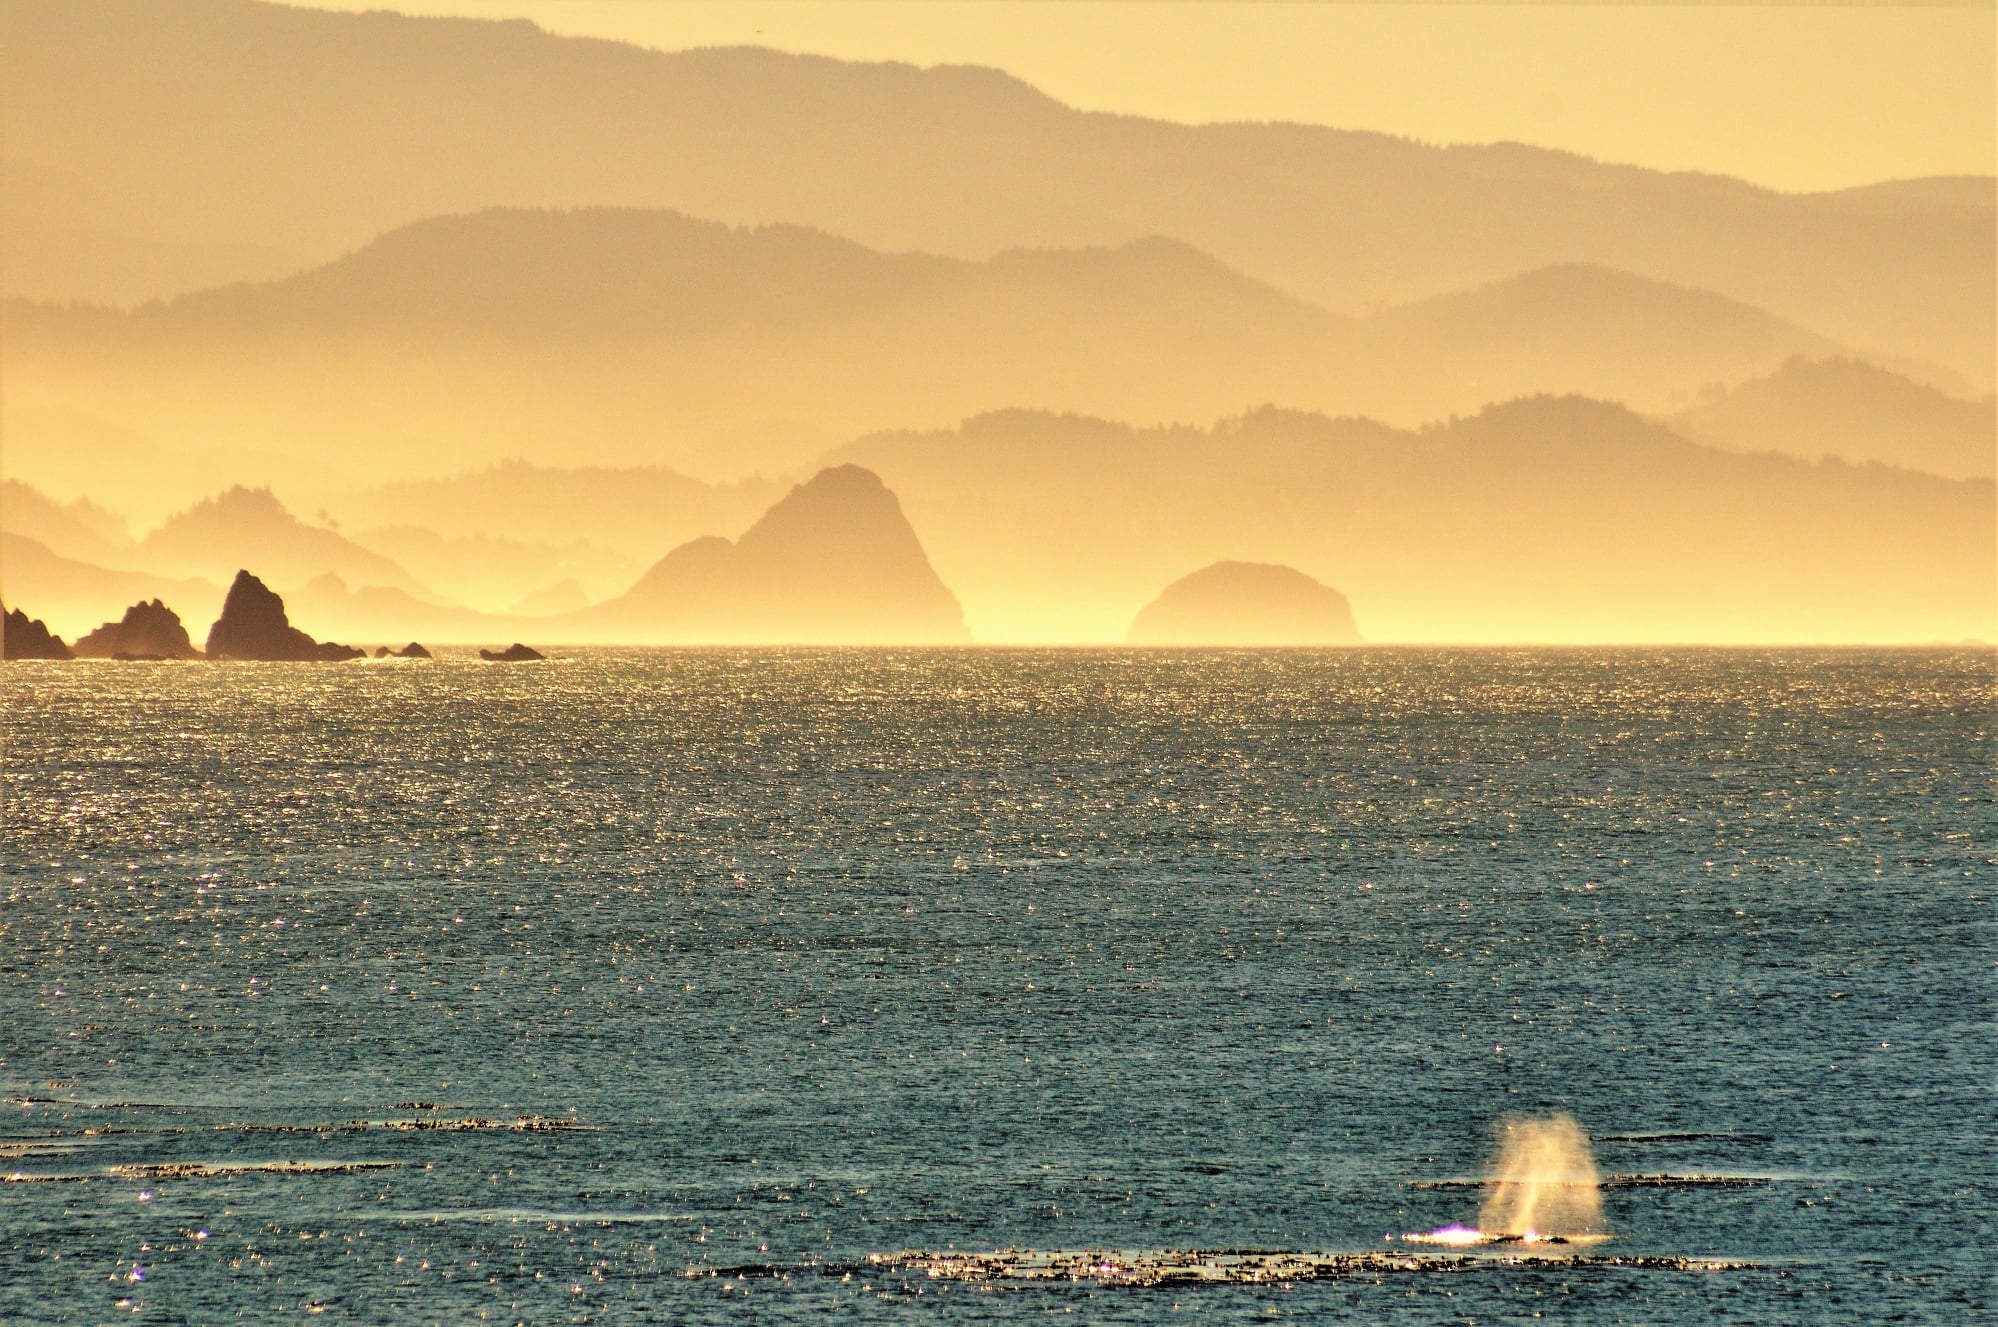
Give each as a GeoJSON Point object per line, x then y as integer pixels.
{"type": "Point", "coordinates": [760, 962]}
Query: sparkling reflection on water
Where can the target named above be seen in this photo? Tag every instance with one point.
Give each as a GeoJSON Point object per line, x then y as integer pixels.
{"type": "Point", "coordinates": [746, 960]}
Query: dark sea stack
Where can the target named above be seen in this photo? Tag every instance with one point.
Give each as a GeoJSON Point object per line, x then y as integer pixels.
{"type": "Point", "coordinates": [149, 630]}
{"type": "Point", "coordinates": [381, 651]}
{"type": "Point", "coordinates": [834, 562]}
{"type": "Point", "coordinates": [253, 625]}
{"type": "Point", "coordinates": [514, 653]}
{"type": "Point", "coordinates": [412, 651]}
{"type": "Point", "coordinates": [24, 637]}
{"type": "Point", "coordinates": [1246, 603]}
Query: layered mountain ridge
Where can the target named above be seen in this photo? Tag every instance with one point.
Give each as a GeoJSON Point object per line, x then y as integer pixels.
{"type": "Point", "coordinates": [310, 138]}
{"type": "Point", "coordinates": [628, 338]}
{"type": "Point", "coordinates": [1548, 519]}
{"type": "Point", "coordinates": [1494, 393]}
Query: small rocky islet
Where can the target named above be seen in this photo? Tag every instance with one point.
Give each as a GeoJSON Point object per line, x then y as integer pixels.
{"type": "Point", "coordinates": [514, 653]}
{"type": "Point", "coordinates": [253, 626]}
{"type": "Point", "coordinates": [24, 637]}
{"type": "Point", "coordinates": [149, 630]}
{"type": "Point", "coordinates": [1246, 603]}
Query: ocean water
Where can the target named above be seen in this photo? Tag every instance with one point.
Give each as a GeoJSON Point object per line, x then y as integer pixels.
{"type": "Point", "coordinates": [791, 957]}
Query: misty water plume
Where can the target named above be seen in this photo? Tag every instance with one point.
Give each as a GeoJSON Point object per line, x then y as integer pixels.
{"type": "Point", "coordinates": [1544, 1182]}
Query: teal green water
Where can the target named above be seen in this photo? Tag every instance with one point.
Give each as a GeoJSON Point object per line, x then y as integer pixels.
{"type": "Point", "coordinates": [819, 954]}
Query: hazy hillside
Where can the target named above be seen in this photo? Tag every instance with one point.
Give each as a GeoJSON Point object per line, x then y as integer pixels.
{"type": "Point", "coordinates": [75, 596]}
{"type": "Point", "coordinates": [637, 511]}
{"type": "Point", "coordinates": [380, 614]}
{"type": "Point", "coordinates": [1541, 520]}
{"type": "Point", "coordinates": [1853, 410]}
{"type": "Point", "coordinates": [246, 527]}
{"type": "Point", "coordinates": [79, 529]}
{"type": "Point", "coordinates": [72, 451]}
{"type": "Point", "coordinates": [833, 562]}
{"type": "Point", "coordinates": [67, 240]}
{"type": "Point", "coordinates": [498, 535]}
{"type": "Point", "coordinates": [607, 335]}
{"type": "Point", "coordinates": [1561, 327]}
{"type": "Point", "coordinates": [153, 146]}
{"type": "Point", "coordinates": [494, 574]}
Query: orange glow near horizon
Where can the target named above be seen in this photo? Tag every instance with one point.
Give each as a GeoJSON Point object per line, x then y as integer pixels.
{"type": "Point", "coordinates": [465, 331]}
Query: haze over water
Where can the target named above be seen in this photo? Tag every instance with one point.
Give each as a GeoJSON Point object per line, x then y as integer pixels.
{"type": "Point", "coordinates": [828, 953]}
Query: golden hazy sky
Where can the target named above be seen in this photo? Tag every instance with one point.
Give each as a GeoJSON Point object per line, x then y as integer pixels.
{"type": "Point", "coordinates": [1798, 96]}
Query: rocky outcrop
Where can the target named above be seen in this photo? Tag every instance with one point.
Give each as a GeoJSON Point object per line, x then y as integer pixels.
{"type": "Point", "coordinates": [834, 562]}
{"type": "Point", "coordinates": [24, 637]}
{"type": "Point", "coordinates": [409, 651]}
{"type": "Point", "coordinates": [514, 653]}
{"type": "Point", "coordinates": [253, 625]}
{"type": "Point", "coordinates": [149, 630]}
{"type": "Point", "coordinates": [1246, 603]}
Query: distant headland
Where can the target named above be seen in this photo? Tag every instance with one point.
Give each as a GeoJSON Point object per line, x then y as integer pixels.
{"type": "Point", "coordinates": [1246, 603]}
{"type": "Point", "coordinates": [835, 561]}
